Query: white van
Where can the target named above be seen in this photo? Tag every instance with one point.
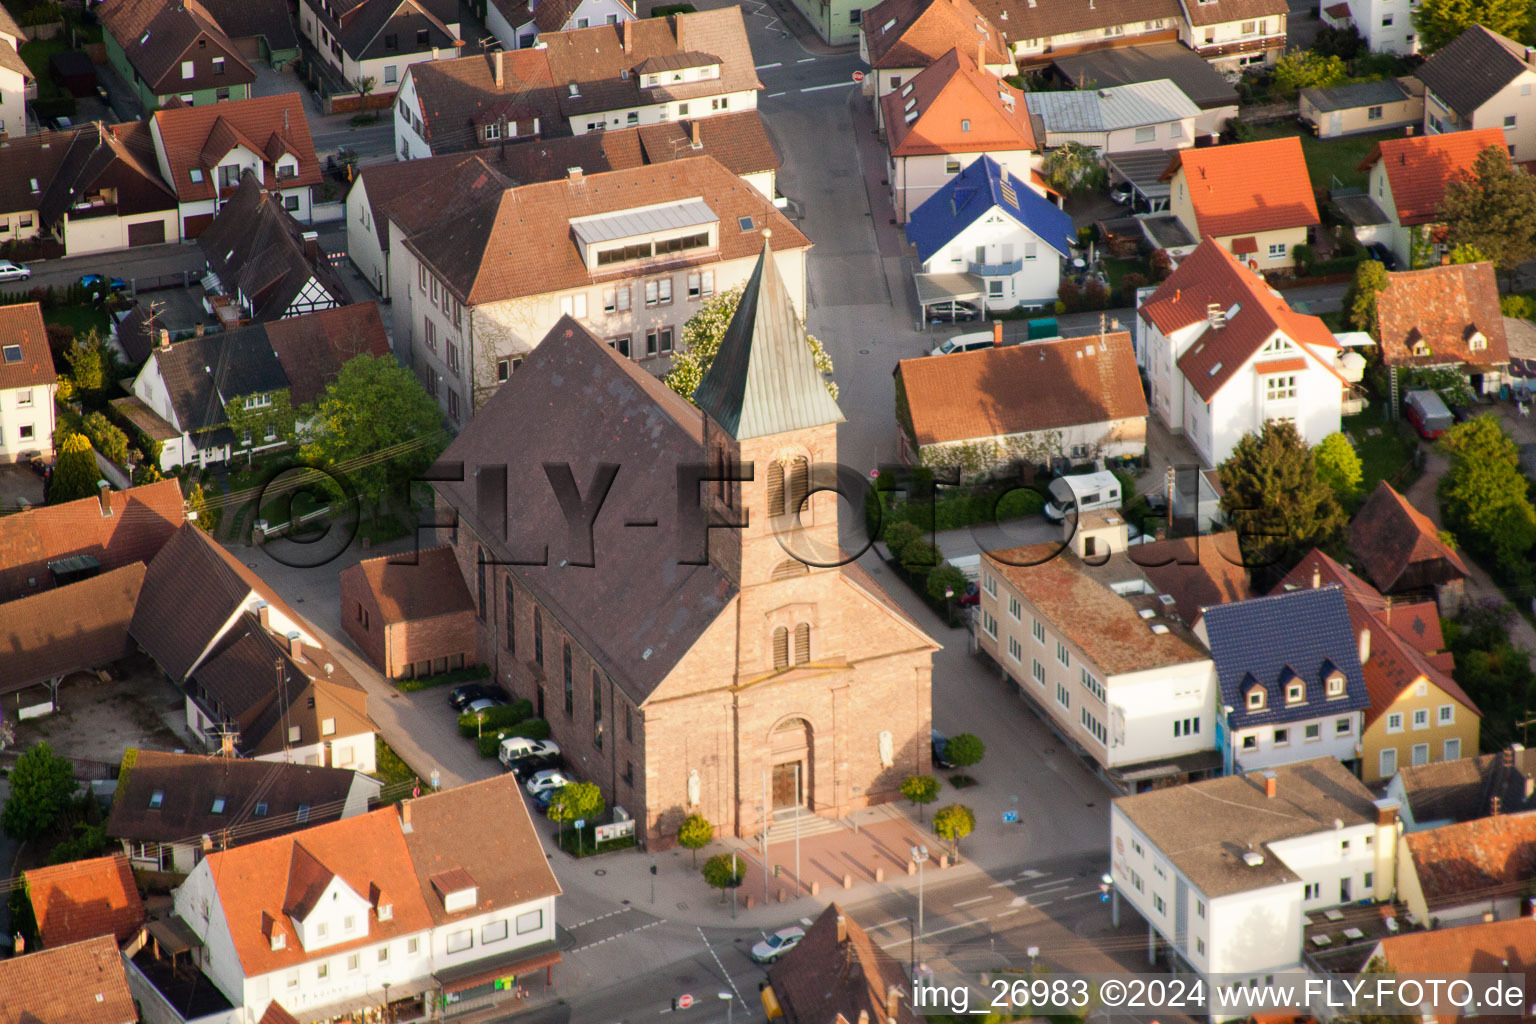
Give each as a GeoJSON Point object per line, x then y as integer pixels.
{"type": "Point", "coordinates": [1082, 493]}
{"type": "Point", "coordinates": [963, 343]}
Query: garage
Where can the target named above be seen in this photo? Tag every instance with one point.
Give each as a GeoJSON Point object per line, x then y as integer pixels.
{"type": "Point", "coordinates": [195, 225]}
{"type": "Point", "coordinates": [150, 232]}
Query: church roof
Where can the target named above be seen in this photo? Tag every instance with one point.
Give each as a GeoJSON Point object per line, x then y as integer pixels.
{"type": "Point", "coordinates": [764, 380]}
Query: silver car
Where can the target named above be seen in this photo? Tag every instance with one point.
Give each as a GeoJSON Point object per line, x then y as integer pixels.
{"type": "Point", "coordinates": [14, 271]}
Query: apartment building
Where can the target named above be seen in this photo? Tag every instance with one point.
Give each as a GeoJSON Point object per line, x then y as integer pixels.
{"type": "Point", "coordinates": [1385, 25]}
{"type": "Point", "coordinates": [378, 40]}
{"type": "Point", "coordinates": [1234, 34]}
{"type": "Point", "coordinates": [1088, 640]}
{"type": "Point", "coordinates": [902, 37]}
{"type": "Point", "coordinates": [1498, 96]}
{"type": "Point", "coordinates": [1041, 30]}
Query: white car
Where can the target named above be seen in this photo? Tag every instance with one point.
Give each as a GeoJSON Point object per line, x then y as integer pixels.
{"type": "Point", "coordinates": [963, 343]}
{"type": "Point", "coordinates": [548, 779]}
{"type": "Point", "coordinates": [14, 271]}
{"type": "Point", "coordinates": [521, 748]}
{"type": "Point", "coordinates": [777, 944]}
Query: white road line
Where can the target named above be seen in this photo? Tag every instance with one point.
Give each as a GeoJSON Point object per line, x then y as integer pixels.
{"type": "Point", "coordinates": [1041, 887]}
{"type": "Point", "coordinates": [773, 94]}
{"type": "Point", "coordinates": [1031, 873]}
{"type": "Point", "coordinates": [967, 903]}
{"type": "Point", "coordinates": [1005, 913]}
{"type": "Point", "coordinates": [1038, 903]}
{"type": "Point", "coordinates": [941, 931]}
{"type": "Point", "coordinates": [765, 67]}
{"type": "Point", "coordinates": [1080, 895]}
{"type": "Point", "coordinates": [834, 85]}
{"type": "Point", "coordinates": [885, 924]}
{"type": "Point", "coordinates": [805, 60]}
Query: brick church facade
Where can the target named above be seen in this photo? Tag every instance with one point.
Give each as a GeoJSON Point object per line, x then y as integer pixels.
{"type": "Point", "coordinates": [686, 688]}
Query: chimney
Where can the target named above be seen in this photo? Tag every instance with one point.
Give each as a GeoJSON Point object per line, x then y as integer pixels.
{"type": "Point", "coordinates": [1508, 757]}
{"type": "Point", "coordinates": [997, 334]}
{"type": "Point", "coordinates": [863, 1017]}
{"type": "Point", "coordinates": [20, 946]}
{"type": "Point", "coordinates": [165, 339]}
{"type": "Point", "coordinates": [1271, 784]}
{"type": "Point", "coordinates": [311, 246]}
{"type": "Point", "coordinates": [1494, 806]}
{"type": "Point", "coordinates": [629, 36]}
{"type": "Point", "coordinates": [1386, 813]}
{"type": "Point", "coordinates": [499, 70]}
{"type": "Point", "coordinates": [842, 929]}
{"type": "Point", "coordinates": [405, 815]}
{"type": "Point", "coordinates": [575, 172]}
{"type": "Point", "coordinates": [295, 647]}
{"type": "Point", "coordinates": [696, 131]}
{"type": "Point", "coordinates": [264, 616]}
{"type": "Point", "coordinates": [1317, 576]}
{"type": "Point", "coordinates": [1365, 645]}
{"type": "Point", "coordinates": [1530, 787]}
{"type": "Point", "coordinates": [104, 494]}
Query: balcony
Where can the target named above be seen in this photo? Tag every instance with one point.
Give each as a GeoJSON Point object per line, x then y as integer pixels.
{"type": "Point", "coordinates": [995, 269]}
{"type": "Point", "coordinates": [1256, 44]}
{"type": "Point", "coordinates": [93, 206]}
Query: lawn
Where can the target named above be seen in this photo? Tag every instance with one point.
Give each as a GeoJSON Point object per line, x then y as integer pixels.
{"type": "Point", "coordinates": [1333, 158]}
{"type": "Point", "coordinates": [83, 319]}
{"type": "Point", "coordinates": [38, 55]}
{"type": "Point", "coordinates": [1384, 455]}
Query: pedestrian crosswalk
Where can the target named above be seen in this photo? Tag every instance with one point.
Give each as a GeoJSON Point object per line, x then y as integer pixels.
{"type": "Point", "coordinates": [1025, 890]}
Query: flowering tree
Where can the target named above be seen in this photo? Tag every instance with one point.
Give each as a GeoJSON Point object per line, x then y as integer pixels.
{"type": "Point", "coordinates": [702, 335]}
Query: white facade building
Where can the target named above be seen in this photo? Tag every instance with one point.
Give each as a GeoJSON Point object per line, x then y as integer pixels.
{"type": "Point", "coordinates": [533, 17]}
{"type": "Point", "coordinates": [1385, 25]}
{"type": "Point", "coordinates": [28, 382]}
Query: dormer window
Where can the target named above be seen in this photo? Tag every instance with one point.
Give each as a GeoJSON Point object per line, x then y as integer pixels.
{"type": "Point", "coordinates": [302, 815]}
{"type": "Point", "coordinates": [1255, 700]}
{"type": "Point", "coordinates": [1476, 340]}
{"type": "Point", "coordinates": [386, 911]}
{"type": "Point", "coordinates": [1336, 685]}
{"type": "Point", "coordinates": [456, 889]}
{"type": "Point", "coordinates": [279, 941]}
{"type": "Point", "coordinates": [1294, 693]}
{"type": "Point", "coordinates": [156, 799]}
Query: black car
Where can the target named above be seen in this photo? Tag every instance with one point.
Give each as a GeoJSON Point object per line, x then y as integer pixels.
{"type": "Point", "coordinates": [1381, 254]}
{"type": "Point", "coordinates": [463, 696]}
{"type": "Point", "coordinates": [525, 768]}
{"type": "Point", "coordinates": [940, 743]}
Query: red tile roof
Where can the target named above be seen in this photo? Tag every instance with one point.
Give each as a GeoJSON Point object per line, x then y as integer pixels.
{"type": "Point", "coordinates": [831, 977]}
{"type": "Point", "coordinates": [1015, 389]}
{"type": "Point", "coordinates": [1247, 187]}
{"type": "Point", "coordinates": [1468, 862]}
{"type": "Point", "coordinates": [1195, 571]}
{"type": "Point", "coordinates": [915, 33]}
{"type": "Point", "coordinates": [312, 347]}
{"type": "Point", "coordinates": [1493, 948]}
{"type": "Point", "coordinates": [84, 899]}
{"type": "Point", "coordinates": [1419, 168]}
{"type": "Point", "coordinates": [22, 325]}
{"type": "Point", "coordinates": [185, 135]}
{"type": "Point", "coordinates": [1390, 536]}
{"type": "Point", "coordinates": [1442, 309]}
{"type": "Point", "coordinates": [1212, 276]}
{"type": "Point", "coordinates": [409, 588]}
{"type": "Point", "coordinates": [85, 983]}
{"type": "Point", "coordinates": [947, 95]}
{"type": "Point", "coordinates": [68, 629]}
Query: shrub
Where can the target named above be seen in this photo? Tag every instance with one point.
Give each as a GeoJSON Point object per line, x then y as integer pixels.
{"type": "Point", "coordinates": [899, 535]}
{"type": "Point", "coordinates": [1095, 294]}
{"type": "Point", "coordinates": [1521, 305]}
{"type": "Point", "coordinates": [1305, 256]}
{"type": "Point", "coordinates": [921, 790]}
{"type": "Point", "coordinates": [694, 834]}
{"type": "Point", "coordinates": [1130, 283]}
{"type": "Point", "coordinates": [495, 718]}
{"type": "Point", "coordinates": [1161, 264]}
{"type": "Point", "coordinates": [920, 557]}
{"type": "Point", "coordinates": [468, 674]}
{"type": "Point", "coordinates": [1070, 296]}
{"type": "Point", "coordinates": [106, 437]}
{"type": "Point", "coordinates": [1239, 130]}
{"type": "Point", "coordinates": [945, 577]}
{"type": "Point", "coordinates": [953, 823]}
{"type": "Point", "coordinates": [964, 750]}
{"type": "Point", "coordinates": [722, 872]}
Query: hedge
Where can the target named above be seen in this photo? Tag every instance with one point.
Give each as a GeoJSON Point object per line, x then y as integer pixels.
{"type": "Point", "coordinates": [955, 509]}
{"type": "Point", "coordinates": [505, 717]}
{"type": "Point", "coordinates": [458, 675]}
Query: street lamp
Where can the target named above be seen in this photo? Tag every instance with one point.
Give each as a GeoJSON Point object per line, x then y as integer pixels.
{"type": "Point", "coordinates": [729, 1004]}
{"type": "Point", "coordinates": [388, 1012]}
{"type": "Point", "coordinates": [949, 605]}
{"type": "Point", "coordinates": [919, 857]}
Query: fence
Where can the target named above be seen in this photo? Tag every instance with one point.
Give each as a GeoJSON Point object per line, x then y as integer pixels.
{"type": "Point", "coordinates": [112, 472]}
{"type": "Point", "coordinates": [1265, 113]}
{"type": "Point", "coordinates": [161, 282]}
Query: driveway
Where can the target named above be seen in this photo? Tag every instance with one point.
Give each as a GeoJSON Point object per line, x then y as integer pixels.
{"type": "Point", "coordinates": [19, 484]}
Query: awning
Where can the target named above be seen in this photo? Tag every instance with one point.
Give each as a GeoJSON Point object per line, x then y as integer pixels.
{"type": "Point", "coordinates": [1143, 168]}
{"type": "Point", "coordinates": [935, 288]}
{"type": "Point", "coordinates": [1200, 761]}
{"type": "Point", "coordinates": [173, 937]}
{"type": "Point", "coordinates": [481, 972]}
{"type": "Point", "coordinates": [1354, 339]}
{"type": "Point", "coordinates": [1245, 245]}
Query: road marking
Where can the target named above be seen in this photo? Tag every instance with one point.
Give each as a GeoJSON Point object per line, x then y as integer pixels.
{"type": "Point", "coordinates": [1018, 901]}
{"type": "Point", "coordinates": [1031, 873]}
{"type": "Point", "coordinates": [941, 931]}
{"type": "Point", "coordinates": [1080, 895]}
{"type": "Point", "coordinates": [967, 903]}
{"type": "Point", "coordinates": [610, 938]}
{"type": "Point", "coordinates": [1005, 913]}
{"type": "Point", "coordinates": [1049, 886]}
{"type": "Point", "coordinates": [601, 917]}
{"type": "Point", "coordinates": [1039, 903]}
{"type": "Point", "coordinates": [765, 67]}
{"type": "Point", "coordinates": [834, 85]}
{"type": "Point", "coordinates": [886, 924]}
{"type": "Point", "coordinates": [805, 60]}
{"type": "Point", "coordinates": [773, 94]}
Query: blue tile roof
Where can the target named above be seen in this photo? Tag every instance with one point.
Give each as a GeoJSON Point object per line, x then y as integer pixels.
{"type": "Point", "coordinates": [971, 194]}
{"type": "Point", "coordinates": [1265, 640]}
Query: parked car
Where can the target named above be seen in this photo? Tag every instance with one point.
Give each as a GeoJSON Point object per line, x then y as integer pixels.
{"type": "Point", "coordinates": [1085, 492]}
{"type": "Point", "coordinates": [972, 594]}
{"type": "Point", "coordinates": [517, 751]}
{"type": "Point", "coordinates": [1427, 412]}
{"type": "Point", "coordinates": [474, 707]}
{"type": "Point", "coordinates": [954, 312]}
{"type": "Point", "coordinates": [1381, 254]}
{"type": "Point", "coordinates": [461, 697]}
{"type": "Point", "coordinates": [116, 284]}
{"type": "Point", "coordinates": [549, 780]}
{"type": "Point", "coordinates": [777, 944]}
{"type": "Point", "coordinates": [40, 466]}
{"type": "Point", "coordinates": [962, 343]}
{"type": "Point", "coordinates": [940, 743]}
{"type": "Point", "coordinates": [14, 271]}
{"type": "Point", "coordinates": [1122, 193]}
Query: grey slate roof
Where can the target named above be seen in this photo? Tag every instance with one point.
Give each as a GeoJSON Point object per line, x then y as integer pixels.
{"type": "Point", "coordinates": [1356, 94]}
{"type": "Point", "coordinates": [1469, 70]}
{"type": "Point", "coordinates": [1265, 640]}
{"type": "Point", "coordinates": [1174, 61]}
{"type": "Point", "coordinates": [1113, 108]}
{"type": "Point", "coordinates": [201, 374]}
{"type": "Point", "coordinates": [764, 379]}
{"type": "Point", "coordinates": [1204, 828]}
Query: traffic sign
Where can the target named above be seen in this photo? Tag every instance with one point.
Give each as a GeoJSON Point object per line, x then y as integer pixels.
{"type": "Point", "coordinates": [1010, 817]}
{"type": "Point", "coordinates": [858, 76]}
{"type": "Point", "coordinates": [684, 1001]}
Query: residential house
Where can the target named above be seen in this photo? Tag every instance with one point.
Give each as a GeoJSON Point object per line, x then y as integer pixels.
{"type": "Point", "coordinates": [823, 667]}
{"type": "Point", "coordinates": [1234, 34]}
{"type": "Point", "coordinates": [448, 106]}
{"type": "Point", "coordinates": [1406, 182]}
{"type": "Point", "coordinates": [1481, 80]}
{"type": "Point", "coordinates": [421, 897]}
{"type": "Point", "coordinates": [987, 236]}
{"type": "Point", "coordinates": [987, 412]}
{"type": "Point", "coordinates": [632, 253]}
{"type": "Point", "coordinates": [1225, 353]}
{"type": "Point", "coordinates": [1471, 871]}
{"type": "Point", "coordinates": [80, 627]}
{"type": "Point", "coordinates": [1206, 87]}
{"type": "Point", "coordinates": [517, 24]}
{"type": "Point", "coordinates": [1196, 572]}
{"type": "Point", "coordinates": [28, 381]}
{"type": "Point", "coordinates": [1363, 107]}
{"type": "Point", "coordinates": [114, 529]}
{"type": "Point", "coordinates": [1498, 947]}
{"type": "Point", "coordinates": [1400, 550]}
{"type": "Point", "coordinates": [173, 52]}
{"type": "Point", "coordinates": [739, 141]}
{"type": "Point", "coordinates": [79, 984]}
{"type": "Point", "coordinates": [1119, 118]}
{"type": "Point", "coordinates": [1448, 792]}
{"type": "Point", "coordinates": [17, 83]}
{"type": "Point", "coordinates": [410, 614]}
{"type": "Point", "coordinates": [202, 153]}
{"type": "Point", "coordinates": [313, 348]}
{"type": "Point", "coordinates": [1225, 870]}
{"type": "Point", "coordinates": [1291, 684]}
{"type": "Point", "coordinates": [1084, 637]}
{"type": "Point", "coordinates": [166, 802]}
{"type": "Point", "coordinates": [377, 40]}
{"type": "Point", "coordinates": [262, 264]}
{"type": "Point", "coordinates": [84, 899]}
{"type": "Point", "coordinates": [1254, 198]}
{"type": "Point", "coordinates": [261, 30]}
{"type": "Point", "coordinates": [1385, 25]}
{"type": "Point", "coordinates": [1040, 32]}
{"type": "Point", "coordinates": [948, 116]}
{"type": "Point", "coordinates": [256, 679]}
{"type": "Point", "coordinates": [900, 38]}
{"type": "Point", "coordinates": [1444, 317]}
{"type": "Point", "coordinates": [1418, 713]}
{"type": "Point", "coordinates": [838, 972]}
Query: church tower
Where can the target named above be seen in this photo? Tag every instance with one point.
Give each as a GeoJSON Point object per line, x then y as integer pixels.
{"type": "Point", "coordinates": [766, 406]}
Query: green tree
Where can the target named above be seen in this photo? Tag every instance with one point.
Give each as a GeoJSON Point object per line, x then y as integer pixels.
{"type": "Point", "coordinates": [1484, 495]}
{"type": "Point", "coordinates": [702, 335]}
{"type": "Point", "coordinates": [964, 750]}
{"type": "Point", "coordinates": [42, 784]}
{"type": "Point", "coordinates": [953, 823]}
{"type": "Point", "coordinates": [88, 363]}
{"type": "Point", "coordinates": [577, 801]}
{"type": "Point", "coordinates": [1467, 253]}
{"type": "Point", "coordinates": [1074, 168]}
{"type": "Point", "coordinates": [376, 407]}
{"type": "Point", "coordinates": [1273, 495]}
{"type": "Point", "coordinates": [920, 557]}
{"type": "Point", "coordinates": [1360, 299]}
{"type": "Point", "coordinates": [694, 834]}
{"type": "Point", "coordinates": [723, 872]}
{"type": "Point", "coordinates": [1308, 69]}
{"type": "Point", "coordinates": [1339, 465]}
{"type": "Point", "coordinates": [75, 472]}
{"type": "Point", "coordinates": [1451, 384]}
{"type": "Point", "coordinates": [900, 535]}
{"type": "Point", "coordinates": [207, 516]}
{"type": "Point", "coordinates": [1493, 210]}
{"type": "Point", "coordinates": [946, 577]}
{"type": "Point", "coordinates": [1494, 673]}
{"type": "Point", "coordinates": [106, 437]}
{"type": "Point", "coordinates": [921, 790]}
{"type": "Point", "coordinates": [1440, 21]}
